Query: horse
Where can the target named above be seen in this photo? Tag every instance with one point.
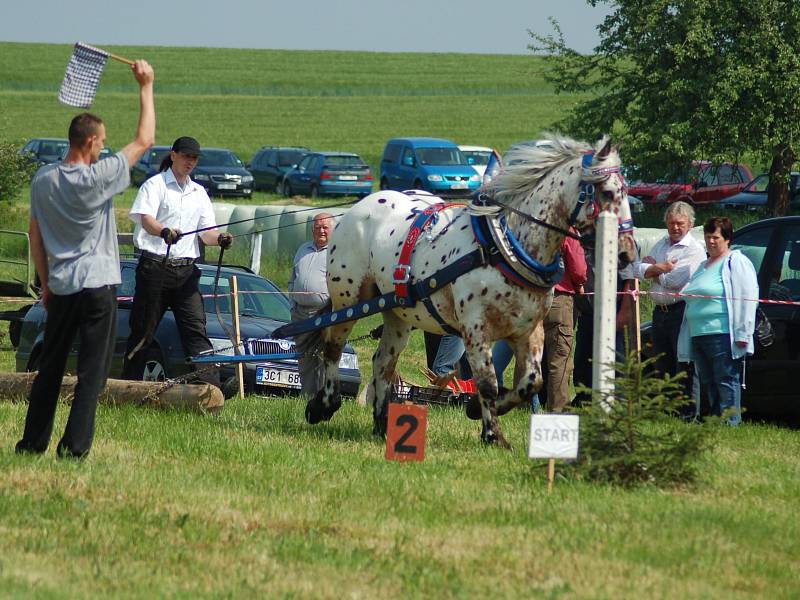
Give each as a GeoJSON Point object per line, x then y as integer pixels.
{"type": "Point", "coordinates": [540, 193]}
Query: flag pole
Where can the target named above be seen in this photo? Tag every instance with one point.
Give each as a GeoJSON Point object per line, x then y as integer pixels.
{"type": "Point", "coordinates": [121, 59]}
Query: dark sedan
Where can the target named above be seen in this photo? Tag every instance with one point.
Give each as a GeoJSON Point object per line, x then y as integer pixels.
{"type": "Point", "coordinates": [148, 165]}
{"type": "Point", "coordinates": [262, 308]}
{"type": "Point", "coordinates": [222, 173]}
{"type": "Point", "coordinates": [270, 164]}
{"type": "Point", "coordinates": [44, 151]}
{"type": "Point", "coordinates": [329, 174]}
{"type": "Point", "coordinates": [773, 246]}
{"type": "Point", "coordinates": [754, 195]}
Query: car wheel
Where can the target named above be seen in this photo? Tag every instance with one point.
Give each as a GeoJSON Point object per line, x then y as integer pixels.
{"type": "Point", "coordinates": [154, 367]}
{"type": "Point", "coordinates": [384, 184]}
{"type": "Point", "coordinates": [287, 189]}
{"type": "Point", "coordinates": [314, 191]}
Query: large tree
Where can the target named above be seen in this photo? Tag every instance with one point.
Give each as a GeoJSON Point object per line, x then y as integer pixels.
{"type": "Point", "coordinates": [683, 79]}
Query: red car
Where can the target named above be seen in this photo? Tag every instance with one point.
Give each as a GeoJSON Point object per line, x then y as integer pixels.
{"type": "Point", "coordinates": [704, 184]}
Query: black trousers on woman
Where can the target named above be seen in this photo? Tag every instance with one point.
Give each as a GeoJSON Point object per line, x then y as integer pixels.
{"type": "Point", "coordinates": [92, 315]}
{"type": "Point", "coordinates": [160, 286]}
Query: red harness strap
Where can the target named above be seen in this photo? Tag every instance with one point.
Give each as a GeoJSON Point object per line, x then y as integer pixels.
{"type": "Point", "coordinates": [402, 272]}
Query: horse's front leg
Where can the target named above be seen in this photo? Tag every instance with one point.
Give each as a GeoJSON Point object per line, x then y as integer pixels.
{"type": "Point", "coordinates": [479, 354]}
{"type": "Point", "coordinates": [384, 363]}
{"type": "Point", "coordinates": [527, 370]}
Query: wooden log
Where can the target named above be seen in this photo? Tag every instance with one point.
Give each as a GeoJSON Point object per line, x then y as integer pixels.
{"type": "Point", "coordinates": [200, 397]}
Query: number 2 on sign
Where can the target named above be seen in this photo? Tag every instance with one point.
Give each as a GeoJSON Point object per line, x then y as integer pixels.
{"type": "Point", "coordinates": [405, 434]}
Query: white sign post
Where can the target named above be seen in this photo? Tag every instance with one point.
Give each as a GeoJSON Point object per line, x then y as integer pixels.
{"type": "Point", "coordinates": [554, 436]}
{"type": "Point", "coordinates": [605, 306]}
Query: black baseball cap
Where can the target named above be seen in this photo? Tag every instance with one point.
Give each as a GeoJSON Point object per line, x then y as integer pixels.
{"type": "Point", "coordinates": [186, 145]}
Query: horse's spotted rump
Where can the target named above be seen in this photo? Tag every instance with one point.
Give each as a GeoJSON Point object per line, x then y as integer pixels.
{"type": "Point", "coordinates": [484, 291]}
{"type": "Point", "coordinates": [391, 233]}
{"type": "Point", "coordinates": [381, 200]}
{"type": "Point", "coordinates": [470, 297]}
{"type": "Point", "coordinates": [337, 279]}
{"type": "Point", "coordinates": [350, 281]}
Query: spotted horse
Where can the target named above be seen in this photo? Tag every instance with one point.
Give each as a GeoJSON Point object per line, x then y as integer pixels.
{"type": "Point", "coordinates": [484, 271]}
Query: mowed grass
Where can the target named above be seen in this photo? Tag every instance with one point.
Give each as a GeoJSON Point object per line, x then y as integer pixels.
{"type": "Point", "coordinates": [253, 502]}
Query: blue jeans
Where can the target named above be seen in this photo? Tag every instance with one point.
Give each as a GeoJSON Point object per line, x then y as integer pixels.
{"type": "Point", "coordinates": [720, 374]}
{"type": "Point", "coordinates": [451, 350]}
{"type": "Point", "coordinates": [501, 356]}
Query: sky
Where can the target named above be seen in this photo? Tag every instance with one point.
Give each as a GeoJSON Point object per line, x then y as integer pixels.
{"type": "Point", "coordinates": [481, 26]}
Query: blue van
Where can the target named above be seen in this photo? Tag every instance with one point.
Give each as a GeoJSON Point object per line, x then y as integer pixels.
{"type": "Point", "coordinates": [430, 164]}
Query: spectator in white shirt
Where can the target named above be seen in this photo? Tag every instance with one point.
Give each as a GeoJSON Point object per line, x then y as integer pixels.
{"type": "Point", "coordinates": [669, 266]}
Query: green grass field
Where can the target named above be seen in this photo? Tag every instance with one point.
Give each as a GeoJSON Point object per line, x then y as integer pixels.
{"type": "Point", "coordinates": [255, 503]}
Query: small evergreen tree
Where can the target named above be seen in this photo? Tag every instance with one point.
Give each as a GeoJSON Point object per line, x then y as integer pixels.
{"type": "Point", "coordinates": [631, 436]}
{"type": "Point", "coordinates": [15, 171]}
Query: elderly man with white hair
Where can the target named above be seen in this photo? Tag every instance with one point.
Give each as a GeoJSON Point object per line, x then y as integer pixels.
{"type": "Point", "coordinates": [670, 264]}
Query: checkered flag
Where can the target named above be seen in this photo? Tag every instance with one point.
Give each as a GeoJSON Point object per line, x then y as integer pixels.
{"type": "Point", "coordinates": [82, 76]}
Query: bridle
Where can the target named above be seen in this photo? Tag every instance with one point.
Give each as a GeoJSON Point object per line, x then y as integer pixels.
{"type": "Point", "coordinates": [587, 195]}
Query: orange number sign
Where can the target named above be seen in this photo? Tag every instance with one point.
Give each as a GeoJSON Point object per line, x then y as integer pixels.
{"type": "Point", "coordinates": [405, 435]}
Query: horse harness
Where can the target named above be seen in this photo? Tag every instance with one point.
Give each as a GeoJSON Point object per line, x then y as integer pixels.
{"type": "Point", "coordinates": [497, 247]}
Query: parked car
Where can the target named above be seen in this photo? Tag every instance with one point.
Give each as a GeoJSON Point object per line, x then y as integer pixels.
{"type": "Point", "coordinates": [754, 195]}
{"type": "Point", "coordinates": [478, 157]}
{"type": "Point", "coordinates": [104, 153]}
{"type": "Point", "coordinates": [222, 173]}
{"type": "Point", "coordinates": [329, 174]}
{"type": "Point", "coordinates": [773, 246]}
{"type": "Point", "coordinates": [271, 163]}
{"type": "Point", "coordinates": [262, 308]}
{"type": "Point", "coordinates": [704, 183]}
{"type": "Point", "coordinates": [44, 151]}
{"type": "Point", "coordinates": [434, 165]}
{"type": "Point", "coordinates": [148, 165]}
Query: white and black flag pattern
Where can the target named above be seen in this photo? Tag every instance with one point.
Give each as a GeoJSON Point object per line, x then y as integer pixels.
{"type": "Point", "coordinates": [82, 76]}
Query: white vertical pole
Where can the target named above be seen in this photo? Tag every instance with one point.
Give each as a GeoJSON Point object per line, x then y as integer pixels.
{"type": "Point", "coordinates": [605, 304]}
{"type": "Point", "coordinates": [255, 253]}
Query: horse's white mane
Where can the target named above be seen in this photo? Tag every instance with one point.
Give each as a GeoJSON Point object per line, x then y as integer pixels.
{"type": "Point", "coordinates": [527, 164]}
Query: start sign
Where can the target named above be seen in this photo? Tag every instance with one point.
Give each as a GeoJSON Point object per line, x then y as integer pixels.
{"type": "Point", "coordinates": [554, 436]}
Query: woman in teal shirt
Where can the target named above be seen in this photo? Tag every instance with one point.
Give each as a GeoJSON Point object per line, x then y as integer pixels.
{"type": "Point", "coordinates": [717, 328]}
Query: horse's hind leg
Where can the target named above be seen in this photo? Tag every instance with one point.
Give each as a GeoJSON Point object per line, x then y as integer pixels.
{"type": "Point", "coordinates": [384, 363]}
{"type": "Point", "coordinates": [328, 399]}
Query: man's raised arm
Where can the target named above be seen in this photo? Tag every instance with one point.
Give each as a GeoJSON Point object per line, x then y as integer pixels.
{"type": "Point", "coordinates": [146, 130]}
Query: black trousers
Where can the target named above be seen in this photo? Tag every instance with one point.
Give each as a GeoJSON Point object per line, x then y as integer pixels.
{"type": "Point", "coordinates": [92, 314]}
{"type": "Point", "coordinates": [666, 327]}
{"type": "Point", "coordinates": [160, 287]}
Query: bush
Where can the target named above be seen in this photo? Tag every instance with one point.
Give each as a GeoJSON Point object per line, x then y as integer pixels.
{"type": "Point", "coordinates": [633, 435]}
{"type": "Point", "coordinates": [15, 172]}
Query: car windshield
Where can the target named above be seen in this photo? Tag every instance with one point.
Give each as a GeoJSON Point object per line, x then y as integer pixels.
{"type": "Point", "coordinates": [758, 185]}
{"type": "Point", "coordinates": [219, 158]}
{"type": "Point", "coordinates": [477, 157]}
{"type": "Point", "coordinates": [441, 156]}
{"type": "Point", "coordinates": [156, 156]}
{"type": "Point", "coordinates": [344, 161]}
{"type": "Point", "coordinates": [258, 297]}
{"type": "Point", "coordinates": [288, 158]}
{"type": "Point", "coordinates": [53, 148]}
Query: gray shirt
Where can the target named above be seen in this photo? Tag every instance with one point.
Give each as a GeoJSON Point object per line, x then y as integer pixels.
{"type": "Point", "coordinates": [72, 205]}
{"type": "Point", "coordinates": [309, 277]}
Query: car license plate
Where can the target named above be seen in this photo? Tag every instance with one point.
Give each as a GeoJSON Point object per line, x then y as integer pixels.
{"type": "Point", "coordinates": [459, 186]}
{"type": "Point", "coordinates": [277, 377]}
{"type": "Point", "coordinates": [348, 177]}
{"type": "Point", "coordinates": [226, 186]}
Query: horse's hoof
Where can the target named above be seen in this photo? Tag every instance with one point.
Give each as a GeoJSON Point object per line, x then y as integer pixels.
{"type": "Point", "coordinates": [473, 407]}
{"type": "Point", "coordinates": [494, 439]}
{"type": "Point", "coordinates": [314, 413]}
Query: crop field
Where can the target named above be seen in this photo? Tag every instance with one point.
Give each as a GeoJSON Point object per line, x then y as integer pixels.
{"type": "Point", "coordinates": [253, 502]}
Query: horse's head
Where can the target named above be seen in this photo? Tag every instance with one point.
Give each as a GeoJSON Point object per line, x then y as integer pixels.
{"type": "Point", "coordinates": [603, 189]}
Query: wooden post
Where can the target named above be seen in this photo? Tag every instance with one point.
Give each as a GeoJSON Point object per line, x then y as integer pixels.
{"type": "Point", "coordinates": [551, 474]}
{"type": "Point", "coordinates": [237, 338]}
{"type": "Point", "coordinates": [605, 307]}
{"type": "Point", "coordinates": [638, 313]}
{"type": "Point", "coordinates": [255, 252]}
